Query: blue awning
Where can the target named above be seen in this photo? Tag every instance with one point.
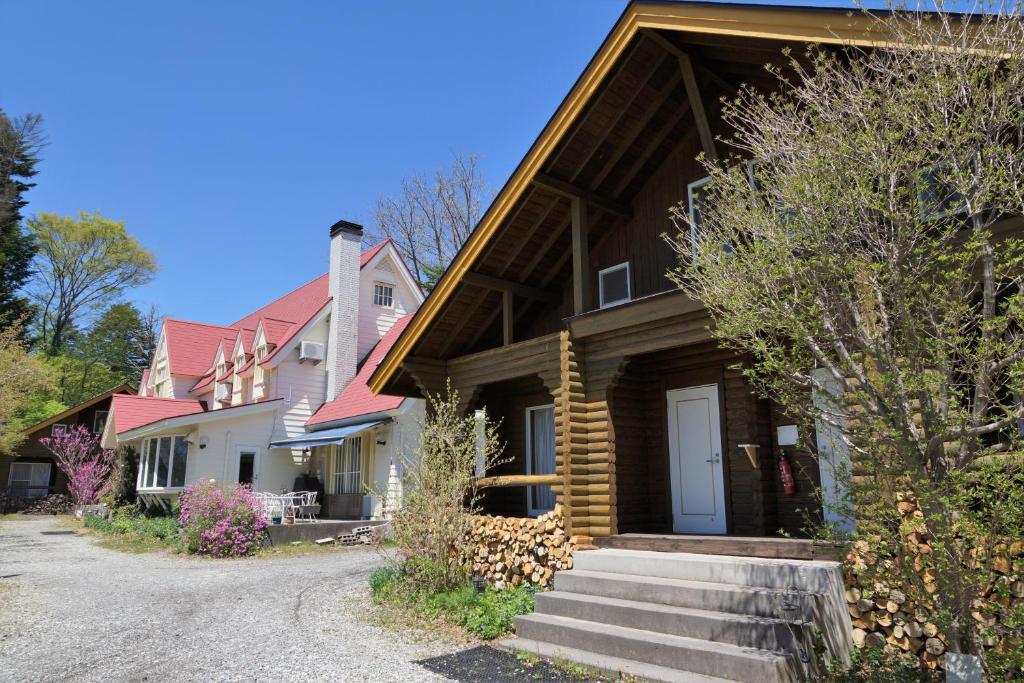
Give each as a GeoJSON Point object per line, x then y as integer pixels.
{"type": "Point", "coordinates": [325, 437]}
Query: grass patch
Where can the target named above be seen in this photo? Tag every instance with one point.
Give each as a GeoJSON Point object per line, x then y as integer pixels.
{"type": "Point", "coordinates": [486, 615]}
{"type": "Point", "coordinates": [299, 549]}
{"type": "Point", "coordinates": [130, 531]}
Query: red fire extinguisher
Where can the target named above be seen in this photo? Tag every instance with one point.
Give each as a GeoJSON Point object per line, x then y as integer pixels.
{"type": "Point", "coordinates": [786, 474]}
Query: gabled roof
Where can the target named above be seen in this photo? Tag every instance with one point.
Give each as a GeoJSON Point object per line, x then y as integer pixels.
{"type": "Point", "coordinates": [356, 398]}
{"type": "Point", "coordinates": [298, 304]}
{"type": "Point", "coordinates": [275, 330]}
{"type": "Point", "coordinates": [130, 412]}
{"type": "Point", "coordinates": [125, 388]}
{"type": "Point", "coordinates": [191, 345]}
{"type": "Point", "coordinates": [806, 24]}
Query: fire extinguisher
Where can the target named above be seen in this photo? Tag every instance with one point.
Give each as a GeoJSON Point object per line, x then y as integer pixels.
{"type": "Point", "coordinates": [786, 474]}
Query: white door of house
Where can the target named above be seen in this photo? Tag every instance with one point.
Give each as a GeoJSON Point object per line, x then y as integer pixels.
{"type": "Point", "coordinates": [695, 460]}
{"type": "Point", "coordinates": [247, 465]}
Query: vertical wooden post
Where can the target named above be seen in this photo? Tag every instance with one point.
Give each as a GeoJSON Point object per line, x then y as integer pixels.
{"type": "Point", "coordinates": [580, 257]}
{"type": "Point", "coordinates": [506, 316]}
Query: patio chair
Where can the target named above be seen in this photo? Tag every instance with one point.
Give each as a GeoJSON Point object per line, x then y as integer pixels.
{"type": "Point", "coordinates": [308, 509]}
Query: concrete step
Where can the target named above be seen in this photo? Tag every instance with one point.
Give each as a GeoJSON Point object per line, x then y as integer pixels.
{"type": "Point", "coordinates": [812, 576]}
{"type": "Point", "coordinates": [744, 630]}
{"type": "Point", "coordinates": [705, 595]}
{"type": "Point", "coordinates": [707, 658]}
{"type": "Point", "coordinates": [613, 666]}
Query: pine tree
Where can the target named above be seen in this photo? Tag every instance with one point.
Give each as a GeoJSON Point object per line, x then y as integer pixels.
{"type": "Point", "coordinates": [20, 142]}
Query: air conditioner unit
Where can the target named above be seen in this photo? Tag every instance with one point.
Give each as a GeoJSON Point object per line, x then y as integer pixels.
{"type": "Point", "coordinates": [312, 351]}
{"type": "Point", "coordinates": [223, 392]}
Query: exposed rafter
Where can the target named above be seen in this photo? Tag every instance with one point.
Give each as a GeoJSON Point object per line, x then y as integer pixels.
{"type": "Point", "coordinates": [567, 189]}
{"type": "Point", "coordinates": [502, 285]}
{"type": "Point", "coordinates": [707, 140]}
{"type": "Point", "coordinates": [673, 49]}
{"type": "Point", "coordinates": [653, 146]}
{"type": "Point", "coordinates": [623, 110]}
{"type": "Point", "coordinates": [628, 142]}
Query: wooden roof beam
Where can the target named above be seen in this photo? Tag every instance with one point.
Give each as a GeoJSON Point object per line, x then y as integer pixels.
{"type": "Point", "coordinates": [503, 285]}
{"type": "Point", "coordinates": [707, 140]}
{"type": "Point", "coordinates": [571, 191]}
{"type": "Point", "coordinates": [674, 49]}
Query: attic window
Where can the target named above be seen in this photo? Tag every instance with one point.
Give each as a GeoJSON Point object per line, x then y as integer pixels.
{"type": "Point", "coordinates": [695, 192]}
{"type": "Point", "coordinates": [613, 285]}
{"type": "Point", "coordinates": [383, 295]}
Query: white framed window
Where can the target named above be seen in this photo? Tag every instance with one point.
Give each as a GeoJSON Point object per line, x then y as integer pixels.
{"type": "Point", "coordinates": [540, 456]}
{"type": "Point", "coordinates": [348, 466]}
{"type": "Point", "coordinates": [383, 295]}
{"type": "Point", "coordinates": [613, 285]}
{"type": "Point", "coordinates": [58, 429]}
{"type": "Point", "coordinates": [257, 369]}
{"type": "Point", "coordinates": [162, 462]}
{"type": "Point", "coordinates": [936, 197]}
{"type": "Point", "coordinates": [99, 421]}
{"type": "Point", "coordinates": [29, 479]}
{"type": "Point", "coordinates": [695, 193]}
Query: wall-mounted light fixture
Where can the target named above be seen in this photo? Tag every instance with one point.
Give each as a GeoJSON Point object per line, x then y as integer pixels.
{"type": "Point", "coordinates": [753, 452]}
{"type": "Point", "coordinates": [382, 442]}
{"type": "Point", "coordinates": [204, 441]}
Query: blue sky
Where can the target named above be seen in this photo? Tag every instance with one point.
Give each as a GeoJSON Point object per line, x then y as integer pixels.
{"type": "Point", "coordinates": [230, 135]}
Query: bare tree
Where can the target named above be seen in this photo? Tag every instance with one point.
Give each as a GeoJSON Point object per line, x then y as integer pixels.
{"type": "Point", "coordinates": [433, 215]}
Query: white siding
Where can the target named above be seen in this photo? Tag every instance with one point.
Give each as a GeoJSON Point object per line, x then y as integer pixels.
{"type": "Point", "coordinates": [303, 386]}
{"type": "Point", "coordinates": [375, 321]}
{"type": "Point", "coordinates": [402, 437]}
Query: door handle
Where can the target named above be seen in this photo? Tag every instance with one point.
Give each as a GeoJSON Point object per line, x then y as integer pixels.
{"type": "Point", "coordinates": [717, 458]}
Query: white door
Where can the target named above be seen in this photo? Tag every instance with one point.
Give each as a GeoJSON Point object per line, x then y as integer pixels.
{"type": "Point", "coordinates": [695, 460]}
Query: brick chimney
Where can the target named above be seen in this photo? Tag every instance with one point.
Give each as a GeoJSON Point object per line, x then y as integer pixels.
{"type": "Point", "coordinates": [344, 289]}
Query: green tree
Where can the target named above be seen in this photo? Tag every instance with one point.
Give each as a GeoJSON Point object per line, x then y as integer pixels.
{"type": "Point", "coordinates": [876, 254]}
{"type": "Point", "coordinates": [82, 264]}
{"type": "Point", "coordinates": [113, 351]}
{"type": "Point", "coordinates": [20, 141]}
{"type": "Point", "coordinates": [23, 379]}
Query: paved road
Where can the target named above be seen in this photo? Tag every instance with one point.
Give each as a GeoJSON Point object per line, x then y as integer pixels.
{"type": "Point", "coordinates": [73, 611]}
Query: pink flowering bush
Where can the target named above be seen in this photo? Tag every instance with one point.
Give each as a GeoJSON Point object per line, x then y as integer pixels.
{"type": "Point", "coordinates": [86, 465]}
{"type": "Point", "coordinates": [219, 522]}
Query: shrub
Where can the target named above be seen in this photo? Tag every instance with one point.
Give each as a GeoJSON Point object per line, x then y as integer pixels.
{"type": "Point", "coordinates": [385, 583]}
{"type": "Point", "coordinates": [221, 523]}
{"type": "Point", "coordinates": [129, 521]}
{"type": "Point", "coordinates": [430, 528]}
{"type": "Point", "coordinates": [86, 465]}
{"type": "Point", "coordinates": [491, 614]}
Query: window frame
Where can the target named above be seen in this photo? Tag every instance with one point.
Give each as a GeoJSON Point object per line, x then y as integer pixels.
{"type": "Point", "coordinates": [936, 212]}
{"type": "Point", "coordinates": [530, 510]}
{"type": "Point", "coordinates": [95, 417]}
{"type": "Point", "coordinates": [28, 487]}
{"type": "Point", "coordinates": [379, 293]}
{"type": "Point", "coordinates": [339, 473]}
{"type": "Point", "coordinates": [690, 187]}
{"type": "Point", "coordinates": [144, 482]}
{"type": "Point", "coordinates": [600, 285]}
{"type": "Point", "coordinates": [54, 431]}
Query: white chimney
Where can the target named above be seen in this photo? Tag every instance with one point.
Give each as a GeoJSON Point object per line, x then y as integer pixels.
{"type": "Point", "coordinates": [344, 289]}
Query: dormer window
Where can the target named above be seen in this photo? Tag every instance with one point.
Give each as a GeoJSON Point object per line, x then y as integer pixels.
{"type": "Point", "coordinates": [383, 295]}
{"type": "Point", "coordinates": [257, 370]}
{"type": "Point", "coordinates": [613, 285]}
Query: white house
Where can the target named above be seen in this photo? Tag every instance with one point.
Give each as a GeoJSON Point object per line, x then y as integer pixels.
{"type": "Point", "coordinates": [278, 399]}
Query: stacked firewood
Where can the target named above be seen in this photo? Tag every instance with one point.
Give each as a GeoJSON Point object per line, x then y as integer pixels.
{"type": "Point", "coordinates": [53, 504]}
{"type": "Point", "coordinates": [515, 550]}
{"type": "Point", "coordinates": [888, 615]}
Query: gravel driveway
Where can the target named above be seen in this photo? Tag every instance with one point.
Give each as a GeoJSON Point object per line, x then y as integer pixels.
{"type": "Point", "coordinates": [73, 611]}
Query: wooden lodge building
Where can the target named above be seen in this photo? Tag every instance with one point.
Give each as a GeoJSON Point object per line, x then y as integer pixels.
{"type": "Point", "coordinates": [557, 316]}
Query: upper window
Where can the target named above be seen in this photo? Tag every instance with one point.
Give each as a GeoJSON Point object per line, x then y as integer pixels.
{"type": "Point", "coordinates": [613, 285]}
{"type": "Point", "coordinates": [99, 421]}
{"type": "Point", "coordinates": [58, 429]}
{"type": "Point", "coordinates": [937, 197]}
{"type": "Point", "coordinates": [696, 192]}
{"type": "Point", "coordinates": [383, 295]}
{"type": "Point", "coordinates": [257, 369]}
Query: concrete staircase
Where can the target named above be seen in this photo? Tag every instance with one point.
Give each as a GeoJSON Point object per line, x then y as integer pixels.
{"type": "Point", "coordinates": [690, 617]}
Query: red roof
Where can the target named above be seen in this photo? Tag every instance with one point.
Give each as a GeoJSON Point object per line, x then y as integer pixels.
{"type": "Point", "coordinates": [357, 399]}
{"type": "Point", "coordinates": [131, 412]}
{"type": "Point", "coordinates": [191, 345]}
{"type": "Point", "coordinates": [274, 330]}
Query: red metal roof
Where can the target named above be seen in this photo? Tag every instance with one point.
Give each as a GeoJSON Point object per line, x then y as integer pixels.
{"type": "Point", "coordinates": [191, 345]}
{"type": "Point", "coordinates": [356, 398]}
{"type": "Point", "coordinates": [131, 412]}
